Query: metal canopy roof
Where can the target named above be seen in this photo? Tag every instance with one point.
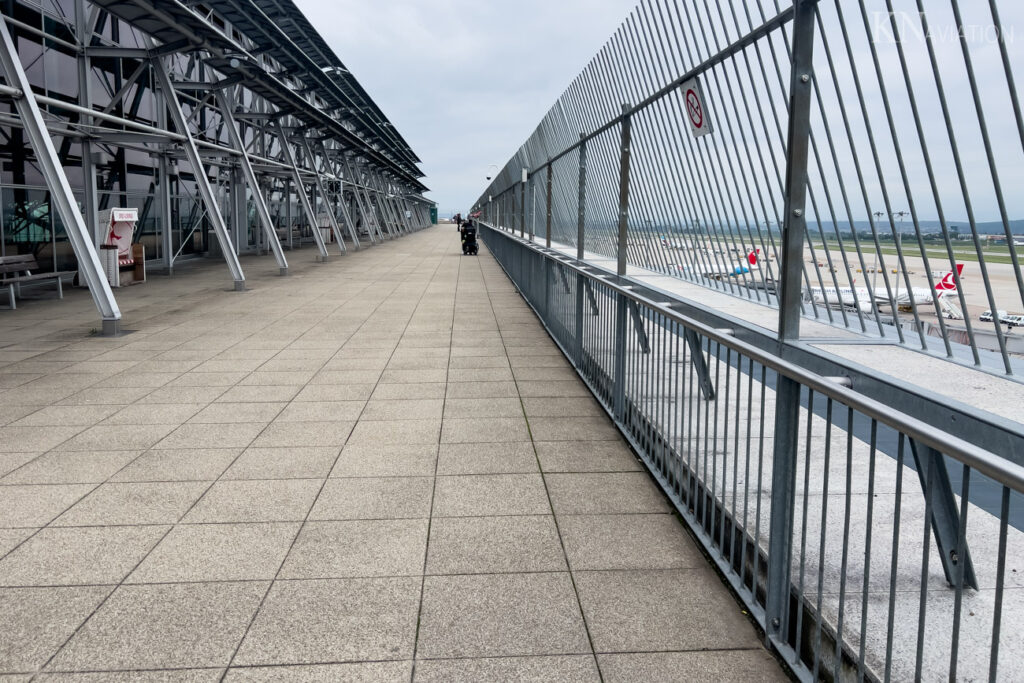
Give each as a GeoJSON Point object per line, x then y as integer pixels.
{"type": "Point", "coordinates": [278, 29]}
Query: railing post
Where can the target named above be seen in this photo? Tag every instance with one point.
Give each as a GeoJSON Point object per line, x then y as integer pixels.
{"type": "Point", "coordinates": [619, 382]}
{"type": "Point", "coordinates": [522, 206]}
{"type": "Point", "coordinates": [795, 220]}
{"type": "Point", "coordinates": [787, 391]}
{"type": "Point", "coordinates": [581, 213]}
{"type": "Point", "coordinates": [547, 228]}
{"type": "Point", "coordinates": [624, 187]}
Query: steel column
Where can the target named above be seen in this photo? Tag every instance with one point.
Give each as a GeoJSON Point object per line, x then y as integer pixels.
{"type": "Point", "coordinates": [89, 266]}
{"type": "Point", "coordinates": [798, 142]}
{"type": "Point", "coordinates": [624, 189]}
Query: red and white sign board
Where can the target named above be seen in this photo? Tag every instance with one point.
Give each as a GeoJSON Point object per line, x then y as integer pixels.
{"type": "Point", "coordinates": [118, 226]}
{"type": "Point", "coordinates": [695, 108]}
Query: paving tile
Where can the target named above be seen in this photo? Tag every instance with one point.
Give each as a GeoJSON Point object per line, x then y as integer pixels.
{"type": "Point", "coordinates": [554, 389]}
{"type": "Point", "coordinates": [409, 391]}
{"type": "Point", "coordinates": [37, 621]}
{"type": "Point", "coordinates": [356, 672]}
{"type": "Point", "coordinates": [226, 412]}
{"type": "Point", "coordinates": [36, 505]}
{"type": "Point", "coordinates": [545, 374]}
{"type": "Point", "coordinates": [12, 461]}
{"type": "Point", "coordinates": [716, 666]}
{"type": "Point", "coordinates": [19, 439]}
{"type": "Point", "coordinates": [573, 429]}
{"type": "Point", "coordinates": [482, 390]}
{"type": "Point", "coordinates": [13, 413]}
{"type": "Point", "coordinates": [661, 610]}
{"type": "Point", "coordinates": [217, 552]}
{"type": "Point", "coordinates": [67, 467]}
{"type": "Point", "coordinates": [191, 464]}
{"type": "Point", "coordinates": [500, 614]}
{"type": "Point", "coordinates": [202, 395]}
{"type": "Point", "coordinates": [414, 376]}
{"type": "Point", "coordinates": [486, 458]}
{"type": "Point", "coordinates": [134, 503]}
{"type": "Point", "coordinates": [380, 547]}
{"type": "Point", "coordinates": [374, 498]}
{"type": "Point", "coordinates": [78, 556]}
{"type": "Point", "coordinates": [335, 392]}
{"type": "Point", "coordinates": [466, 362]}
{"type": "Point", "coordinates": [627, 542]}
{"type": "Point", "coordinates": [397, 432]}
{"type": "Point", "coordinates": [484, 430]}
{"type": "Point", "coordinates": [334, 620]}
{"type": "Point", "coordinates": [117, 437]}
{"type": "Point", "coordinates": [414, 460]}
{"type": "Point", "coordinates": [566, 669]}
{"type": "Point", "coordinates": [411, 409]}
{"type": "Point", "coordinates": [346, 377]}
{"type": "Point", "coordinates": [51, 416]}
{"type": "Point", "coordinates": [479, 408]}
{"type": "Point", "coordinates": [258, 394]}
{"type": "Point", "coordinates": [498, 374]}
{"type": "Point", "coordinates": [322, 411]}
{"type": "Point", "coordinates": [10, 538]}
{"type": "Point", "coordinates": [91, 396]}
{"type": "Point", "coordinates": [297, 462]}
{"type": "Point", "coordinates": [283, 434]}
{"type": "Point", "coordinates": [163, 626]}
{"type": "Point", "coordinates": [586, 456]}
{"type": "Point", "coordinates": [150, 380]}
{"type": "Point", "coordinates": [164, 676]}
{"type": "Point", "coordinates": [491, 494]}
{"type": "Point", "coordinates": [278, 500]}
{"type": "Point", "coordinates": [490, 545]}
{"type": "Point", "coordinates": [156, 413]}
{"type": "Point", "coordinates": [603, 493]}
{"type": "Point", "coordinates": [209, 379]}
{"type": "Point", "coordinates": [238, 435]}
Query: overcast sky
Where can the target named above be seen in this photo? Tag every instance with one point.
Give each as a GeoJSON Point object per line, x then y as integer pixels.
{"type": "Point", "coordinates": [465, 81]}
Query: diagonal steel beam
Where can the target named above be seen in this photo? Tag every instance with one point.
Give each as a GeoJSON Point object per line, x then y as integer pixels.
{"type": "Point", "coordinates": [202, 181]}
{"type": "Point", "coordinates": [250, 177]}
{"type": "Point", "coordinates": [300, 189]}
{"type": "Point", "coordinates": [323, 194]}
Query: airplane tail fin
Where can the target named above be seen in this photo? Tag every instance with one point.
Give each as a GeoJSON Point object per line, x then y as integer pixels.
{"type": "Point", "coordinates": [948, 282]}
{"type": "Point", "coordinates": [753, 256]}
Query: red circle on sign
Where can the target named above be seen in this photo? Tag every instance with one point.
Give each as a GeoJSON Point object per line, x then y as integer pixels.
{"type": "Point", "coordinates": [693, 108]}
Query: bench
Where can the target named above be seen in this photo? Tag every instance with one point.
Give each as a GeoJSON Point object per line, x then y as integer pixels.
{"type": "Point", "coordinates": [15, 270]}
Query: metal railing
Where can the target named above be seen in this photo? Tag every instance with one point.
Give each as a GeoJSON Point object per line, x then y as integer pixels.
{"type": "Point", "coordinates": [859, 152]}
{"type": "Point", "coordinates": [801, 489]}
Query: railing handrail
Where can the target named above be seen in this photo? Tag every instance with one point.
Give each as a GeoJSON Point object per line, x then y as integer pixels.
{"type": "Point", "coordinates": [994, 466]}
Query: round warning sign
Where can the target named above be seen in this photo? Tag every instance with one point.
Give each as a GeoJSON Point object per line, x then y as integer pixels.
{"type": "Point", "coordinates": [693, 108]}
{"type": "Point", "coordinates": [696, 108]}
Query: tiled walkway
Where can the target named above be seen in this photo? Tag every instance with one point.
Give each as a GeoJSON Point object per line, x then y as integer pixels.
{"type": "Point", "coordinates": [373, 463]}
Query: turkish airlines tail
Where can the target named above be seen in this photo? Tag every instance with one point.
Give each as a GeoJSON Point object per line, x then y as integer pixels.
{"type": "Point", "coordinates": [948, 283]}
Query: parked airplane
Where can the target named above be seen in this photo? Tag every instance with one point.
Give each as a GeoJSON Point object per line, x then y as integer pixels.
{"type": "Point", "coordinates": [860, 297]}
{"type": "Point", "coordinates": [748, 264]}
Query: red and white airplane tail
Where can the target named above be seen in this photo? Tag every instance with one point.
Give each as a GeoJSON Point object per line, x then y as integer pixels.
{"type": "Point", "coordinates": [753, 256]}
{"type": "Point", "coordinates": [948, 282]}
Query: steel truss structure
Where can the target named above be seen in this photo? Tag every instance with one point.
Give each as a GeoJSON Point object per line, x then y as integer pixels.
{"type": "Point", "coordinates": [230, 125]}
{"type": "Point", "coordinates": [891, 153]}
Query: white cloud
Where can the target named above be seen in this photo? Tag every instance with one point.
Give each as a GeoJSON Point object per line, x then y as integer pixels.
{"type": "Point", "coordinates": [465, 82]}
